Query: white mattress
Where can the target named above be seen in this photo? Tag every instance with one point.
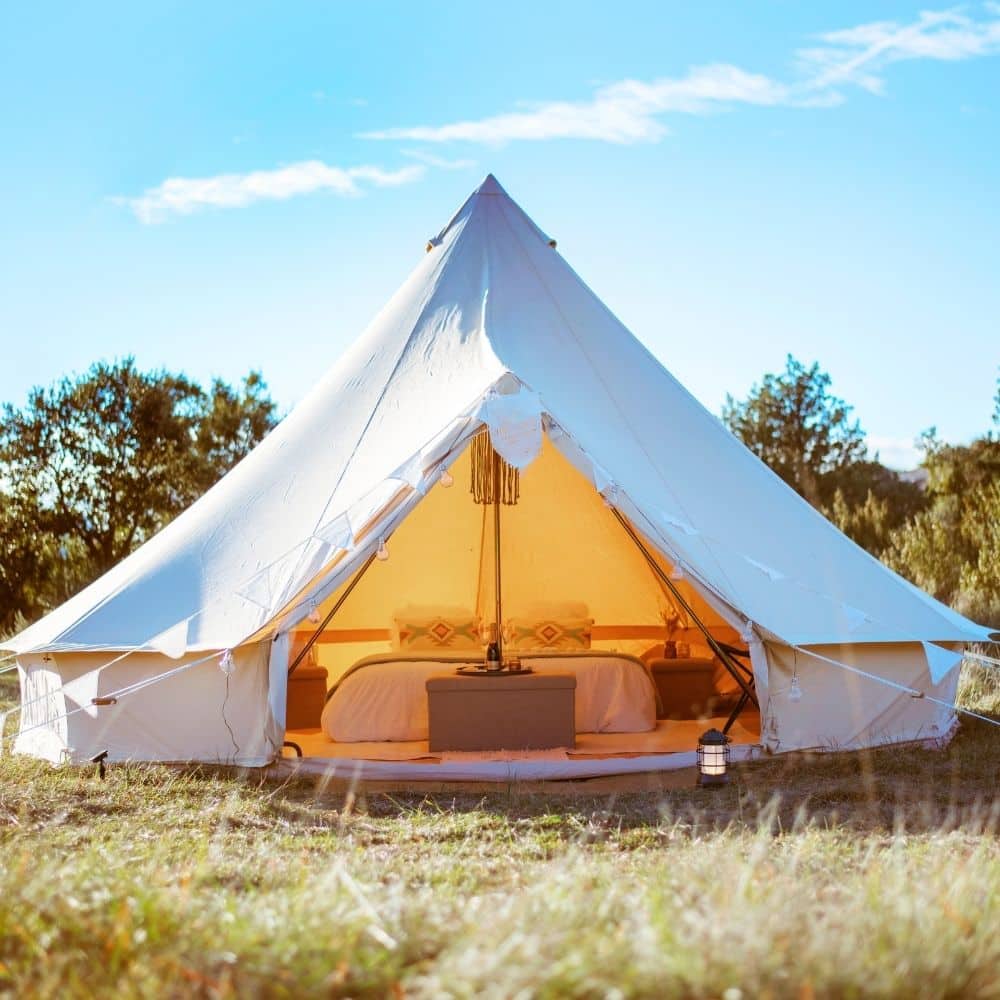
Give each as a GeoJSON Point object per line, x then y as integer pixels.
{"type": "Point", "coordinates": [385, 698]}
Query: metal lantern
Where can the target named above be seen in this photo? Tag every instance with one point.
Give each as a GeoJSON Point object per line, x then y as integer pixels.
{"type": "Point", "coordinates": [713, 758]}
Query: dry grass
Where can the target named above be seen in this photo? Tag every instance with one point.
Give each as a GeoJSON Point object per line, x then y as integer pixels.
{"type": "Point", "coordinates": [849, 875]}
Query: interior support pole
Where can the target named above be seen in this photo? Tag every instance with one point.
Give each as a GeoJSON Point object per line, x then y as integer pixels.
{"type": "Point", "coordinates": [720, 651]}
{"type": "Point", "coordinates": [496, 553]}
{"type": "Point", "coordinates": [326, 621]}
{"type": "Point", "coordinates": [735, 713]}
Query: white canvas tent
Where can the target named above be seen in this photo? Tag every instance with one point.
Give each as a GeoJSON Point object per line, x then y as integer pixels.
{"type": "Point", "coordinates": [492, 327]}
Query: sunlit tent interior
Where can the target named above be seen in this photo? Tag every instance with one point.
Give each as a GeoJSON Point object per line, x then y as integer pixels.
{"type": "Point", "coordinates": [495, 458]}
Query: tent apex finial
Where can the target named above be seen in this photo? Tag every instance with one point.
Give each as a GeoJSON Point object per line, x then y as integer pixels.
{"type": "Point", "coordinates": [490, 186]}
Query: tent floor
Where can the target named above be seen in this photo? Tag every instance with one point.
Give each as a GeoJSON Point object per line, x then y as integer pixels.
{"type": "Point", "coordinates": [671, 746]}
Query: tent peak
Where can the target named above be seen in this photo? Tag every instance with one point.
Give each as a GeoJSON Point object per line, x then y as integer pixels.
{"type": "Point", "coordinates": [491, 186]}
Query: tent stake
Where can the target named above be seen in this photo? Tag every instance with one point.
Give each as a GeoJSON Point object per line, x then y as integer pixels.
{"type": "Point", "coordinates": [720, 651]}
{"type": "Point", "coordinates": [326, 621]}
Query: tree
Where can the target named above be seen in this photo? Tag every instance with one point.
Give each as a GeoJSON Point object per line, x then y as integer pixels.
{"type": "Point", "coordinates": [231, 424]}
{"type": "Point", "coordinates": [793, 423]}
{"type": "Point", "coordinates": [26, 563]}
{"type": "Point", "coordinates": [91, 467]}
{"type": "Point", "coordinates": [979, 585]}
{"type": "Point", "coordinates": [806, 436]}
{"type": "Point", "coordinates": [952, 548]}
{"type": "Point", "coordinates": [871, 501]}
{"type": "Point", "coordinates": [945, 537]}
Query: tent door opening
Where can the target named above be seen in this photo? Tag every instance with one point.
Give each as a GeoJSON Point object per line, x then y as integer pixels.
{"type": "Point", "coordinates": [566, 559]}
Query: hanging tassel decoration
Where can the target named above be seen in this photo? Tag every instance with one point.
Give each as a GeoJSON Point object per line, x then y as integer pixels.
{"type": "Point", "coordinates": [493, 480]}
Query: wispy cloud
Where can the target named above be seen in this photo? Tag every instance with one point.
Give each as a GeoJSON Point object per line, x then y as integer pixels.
{"type": "Point", "coordinates": [627, 111]}
{"type": "Point", "coordinates": [186, 195]}
{"type": "Point", "coordinates": [632, 111]}
{"type": "Point", "coordinates": [624, 112]}
{"type": "Point", "coordinates": [859, 55]}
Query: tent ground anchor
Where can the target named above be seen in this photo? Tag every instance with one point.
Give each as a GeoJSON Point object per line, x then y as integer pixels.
{"type": "Point", "coordinates": [100, 759]}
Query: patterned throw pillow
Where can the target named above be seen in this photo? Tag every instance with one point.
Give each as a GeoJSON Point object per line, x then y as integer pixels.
{"type": "Point", "coordinates": [550, 633]}
{"type": "Point", "coordinates": [438, 632]}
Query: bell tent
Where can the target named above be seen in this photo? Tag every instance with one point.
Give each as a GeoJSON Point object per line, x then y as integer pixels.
{"type": "Point", "coordinates": [632, 505]}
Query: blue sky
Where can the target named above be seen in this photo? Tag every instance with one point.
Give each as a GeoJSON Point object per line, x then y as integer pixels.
{"type": "Point", "coordinates": [219, 187]}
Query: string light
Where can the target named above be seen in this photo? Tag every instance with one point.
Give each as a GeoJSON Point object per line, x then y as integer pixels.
{"type": "Point", "coordinates": [226, 662]}
{"type": "Point", "coordinates": [794, 690]}
{"type": "Point", "coordinates": [382, 552]}
{"type": "Point", "coordinates": [314, 615]}
{"type": "Point", "coordinates": [447, 479]}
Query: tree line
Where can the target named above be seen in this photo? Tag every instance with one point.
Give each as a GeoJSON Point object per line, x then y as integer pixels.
{"type": "Point", "coordinates": [940, 530]}
{"type": "Point", "coordinates": [93, 466]}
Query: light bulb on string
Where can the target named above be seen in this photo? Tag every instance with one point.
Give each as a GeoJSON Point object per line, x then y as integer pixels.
{"type": "Point", "coordinates": [382, 552]}
{"type": "Point", "coordinates": [794, 690]}
{"type": "Point", "coordinates": [447, 479]}
{"type": "Point", "coordinates": [314, 615]}
{"type": "Point", "coordinates": [226, 662]}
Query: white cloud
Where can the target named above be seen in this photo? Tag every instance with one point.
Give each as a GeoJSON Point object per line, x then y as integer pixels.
{"type": "Point", "coordinates": [858, 55]}
{"type": "Point", "coordinates": [185, 195]}
{"type": "Point", "coordinates": [628, 111]}
{"type": "Point", "coordinates": [623, 112]}
{"type": "Point", "coordinates": [632, 111]}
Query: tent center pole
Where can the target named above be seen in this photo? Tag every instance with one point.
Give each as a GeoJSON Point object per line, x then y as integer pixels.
{"type": "Point", "coordinates": [496, 554]}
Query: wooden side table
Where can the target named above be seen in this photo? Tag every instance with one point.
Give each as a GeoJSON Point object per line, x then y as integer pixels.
{"type": "Point", "coordinates": [512, 712]}
{"type": "Point", "coordinates": [686, 686]}
{"type": "Point", "coordinates": [306, 697]}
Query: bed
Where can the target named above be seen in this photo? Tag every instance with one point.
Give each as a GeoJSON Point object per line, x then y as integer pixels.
{"type": "Point", "coordinates": [384, 697]}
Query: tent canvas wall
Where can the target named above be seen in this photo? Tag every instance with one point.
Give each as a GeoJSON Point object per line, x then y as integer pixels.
{"type": "Point", "coordinates": [492, 328]}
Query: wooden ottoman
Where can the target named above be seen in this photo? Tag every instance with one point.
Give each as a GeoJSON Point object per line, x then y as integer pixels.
{"type": "Point", "coordinates": [306, 697]}
{"type": "Point", "coordinates": [511, 712]}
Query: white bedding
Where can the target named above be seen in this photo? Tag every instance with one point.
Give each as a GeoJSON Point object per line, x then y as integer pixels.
{"type": "Point", "coordinates": [381, 701]}
{"type": "Point", "coordinates": [385, 698]}
{"type": "Point", "coordinates": [614, 694]}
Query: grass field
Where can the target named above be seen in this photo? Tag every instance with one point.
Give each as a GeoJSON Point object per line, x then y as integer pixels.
{"type": "Point", "coordinates": [841, 876]}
